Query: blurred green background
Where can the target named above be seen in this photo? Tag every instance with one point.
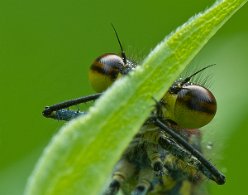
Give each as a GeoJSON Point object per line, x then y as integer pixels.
{"type": "Point", "coordinates": [46, 48]}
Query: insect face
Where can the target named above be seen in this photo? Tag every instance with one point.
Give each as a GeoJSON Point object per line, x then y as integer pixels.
{"type": "Point", "coordinates": [189, 105]}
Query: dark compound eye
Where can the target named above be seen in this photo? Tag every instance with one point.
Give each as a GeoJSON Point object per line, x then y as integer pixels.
{"type": "Point", "coordinates": [105, 70]}
{"type": "Point", "coordinates": [195, 106]}
{"type": "Point", "coordinates": [190, 106]}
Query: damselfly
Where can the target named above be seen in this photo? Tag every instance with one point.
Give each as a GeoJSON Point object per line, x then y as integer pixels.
{"type": "Point", "coordinates": [165, 156]}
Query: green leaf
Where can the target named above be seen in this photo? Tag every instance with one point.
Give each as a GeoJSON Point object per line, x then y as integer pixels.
{"type": "Point", "coordinates": [81, 156]}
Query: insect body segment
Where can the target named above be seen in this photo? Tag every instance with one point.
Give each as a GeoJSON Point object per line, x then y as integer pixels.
{"type": "Point", "coordinates": [57, 111]}
{"type": "Point", "coordinates": [159, 164]}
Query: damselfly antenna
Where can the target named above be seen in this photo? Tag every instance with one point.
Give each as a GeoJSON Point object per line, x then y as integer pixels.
{"type": "Point", "coordinates": [188, 78]}
{"type": "Point", "coordinates": [123, 54]}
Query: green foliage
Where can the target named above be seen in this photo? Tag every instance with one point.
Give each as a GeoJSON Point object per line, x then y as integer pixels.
{"type": "Point", "coordinates": [81, 156]}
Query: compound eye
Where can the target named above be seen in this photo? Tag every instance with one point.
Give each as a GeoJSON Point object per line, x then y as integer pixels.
{"type": "Point", "coordinates": [195, 107]}
{"type": "Point", "coordinates": [104, 71]}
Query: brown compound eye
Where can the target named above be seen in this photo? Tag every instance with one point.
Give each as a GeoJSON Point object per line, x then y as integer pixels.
{"type": "Point", "coordinates": [195, 106]}
{"type": "Point", "coordinates": [105, 70]}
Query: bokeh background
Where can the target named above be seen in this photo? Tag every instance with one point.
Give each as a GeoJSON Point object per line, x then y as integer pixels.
{"type": "Point", "coordinates": [46, 48]}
